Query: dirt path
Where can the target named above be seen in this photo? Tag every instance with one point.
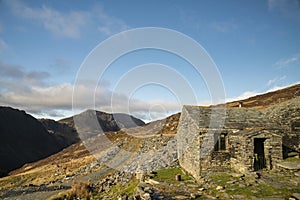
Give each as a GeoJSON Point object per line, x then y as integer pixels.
{"type": "Point", "coordinates": [46, 191]}
{"type": "Point", "coordinates": [33, 192]}
{"type": "Point", "coordinates": [36, 195]}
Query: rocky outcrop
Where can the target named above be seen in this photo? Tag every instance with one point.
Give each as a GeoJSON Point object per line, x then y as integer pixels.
{"type": "Point", "coordinates": [154, 153]}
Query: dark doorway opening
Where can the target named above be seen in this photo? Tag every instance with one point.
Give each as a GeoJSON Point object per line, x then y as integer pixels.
{"type": "Point", "coordinates": [259, 154]}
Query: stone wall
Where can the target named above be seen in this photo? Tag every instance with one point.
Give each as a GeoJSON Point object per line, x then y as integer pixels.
{"type": "Point", "coordinates": [195, 139]}
{"type": "Point", "coordinates": [242, 148]}
{"type": "Point", "coordinates": [286, 115]}
{"type": "Point", "coordinates": [237, 146]}
{"type": "Point", "coordinates": [188, 144]}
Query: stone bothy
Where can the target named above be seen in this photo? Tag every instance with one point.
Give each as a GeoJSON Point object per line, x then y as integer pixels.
{"type": "Point", "coordinates": [239, 139]}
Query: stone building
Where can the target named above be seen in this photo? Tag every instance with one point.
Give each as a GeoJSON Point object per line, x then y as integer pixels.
{"type": "Point", "coordinates": [239, 139]}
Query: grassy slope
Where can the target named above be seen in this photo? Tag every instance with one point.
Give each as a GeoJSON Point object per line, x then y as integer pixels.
{"type": "Point", "coordinates": [271, 98]}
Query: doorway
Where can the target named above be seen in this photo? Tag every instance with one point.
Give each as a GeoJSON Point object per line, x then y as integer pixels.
{"type": "Point", "coordinates": [259, 154]}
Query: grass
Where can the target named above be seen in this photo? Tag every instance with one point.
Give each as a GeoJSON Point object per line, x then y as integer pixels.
{"type": "Point", "coordinates": [168, 175]}
{"type": "Point", "coordinates": [118, 190]}
{"type": "Point", "coordinates": [45, 174]}
{"type": "Point", "coordinates": [260, 190]}
{"type": "Point", "coordinates": [79, 190]}
{"type": "Point", "coordinates": [221, 178]}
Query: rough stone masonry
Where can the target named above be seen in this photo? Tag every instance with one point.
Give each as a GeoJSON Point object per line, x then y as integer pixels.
{"type": "Point", "coordinates": [238, 139]}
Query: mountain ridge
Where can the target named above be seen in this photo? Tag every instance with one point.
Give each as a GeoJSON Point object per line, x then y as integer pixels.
{"type": "Point", "coordinates": [25, 139]}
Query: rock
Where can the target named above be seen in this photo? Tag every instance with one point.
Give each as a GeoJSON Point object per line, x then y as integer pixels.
{"type": "Point", "coordinates": [152, 182]}
{"type": "Point", "coordinates": [237, 175]}
{"type": "Point", "coordinates": [146, 196]}
{"type": "Point", "coordinates": [195, 195]}
{"type": "Point", "coordinates": [210, 197]}
{"type": "Point", "coordinates": [140, 176]}
{"type": "Point", "coordinates": [139, 190]}
{"type": "Point", "coordinates": [148, 189]}
{"type": "Point", "coordinates": [296, 195]}
{"type": "Point", "coordinates": [179, 197]}
{"type": "Point", "coordinates": [124, 197]}
{"type": "Point", "coordinates": [257, 175]}
{"type": "Point", "coordinates": [238, 197]}
{"type": "Point", "coordinates": [219, 187]}
{"type": "Point", "coordinates": [293, 154]}
{"type": "Point", "coordinates": [290, 165]}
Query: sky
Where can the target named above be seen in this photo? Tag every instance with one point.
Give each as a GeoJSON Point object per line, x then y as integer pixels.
{"type": "Point", "coordinates": [44, 45]}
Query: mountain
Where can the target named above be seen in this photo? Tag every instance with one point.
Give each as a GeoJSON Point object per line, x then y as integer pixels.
{"type": "Point", "coordinates": [167, 126]}
{"type": "Point", "coordinates": [65, 135]}
{"type": "Point", "coordinates": [23, 139]}
{"type": "Point", "coordinates": [86, 121]}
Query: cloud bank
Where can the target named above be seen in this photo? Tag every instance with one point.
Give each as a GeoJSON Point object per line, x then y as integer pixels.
{"type": "Point", "coordinates": [28, 90]}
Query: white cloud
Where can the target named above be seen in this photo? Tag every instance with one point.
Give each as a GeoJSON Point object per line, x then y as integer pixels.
{"type": "Point", "coordinates": [275, 80]}
{"type": "Point", "coordinates": [245, 95]}
{"type": "Point", "coordinates": [249, 94]}
{"type": "Point", "coordinates": [44, 101]}
{"type": "Point", "coordinates": [69, 24]}
{"type": "Point", "coordinates": [107, 24]}
{"type": "Point", "coordinates": [53, 96]}
{"type": "Point", "coordinates": [61, 24]}
{"type": "Point", "coordinates": [28, 90]}
{"type": "Point", "coordinates": [287, 62]}
{"type": "Point", "coordinates": [112, 28]}
{"type": "Point", "coordinates": [274, 88]}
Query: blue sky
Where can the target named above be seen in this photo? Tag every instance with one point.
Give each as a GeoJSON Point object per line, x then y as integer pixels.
{"type": "Point", "coordinates": [254, 44]}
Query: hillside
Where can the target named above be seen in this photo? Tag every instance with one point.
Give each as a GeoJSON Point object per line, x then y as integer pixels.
{"type": "Point", "coordinates": [64, 134]}
{"type": "Point", "coordinates": [23, 139]}
{"type": "Point", "coordinates": [268, 99]}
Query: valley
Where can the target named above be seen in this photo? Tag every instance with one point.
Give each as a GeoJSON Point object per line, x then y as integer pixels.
{"type": "Point", "coordinates": [141, 163]}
